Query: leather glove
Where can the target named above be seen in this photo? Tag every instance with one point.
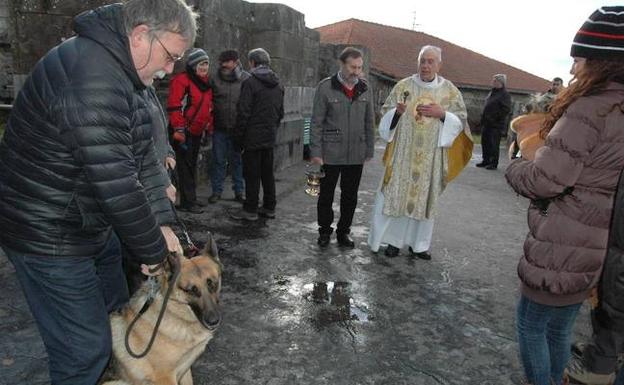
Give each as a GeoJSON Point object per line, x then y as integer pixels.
{"type": "Point", "coordinates": [179, 135]}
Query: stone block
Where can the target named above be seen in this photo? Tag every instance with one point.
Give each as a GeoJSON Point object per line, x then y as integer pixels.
{"type": "Point", "coordinates": [277, 17]}
{"type": "Point", "coordinates": [58, 7]}
{"type": "Point", "coordinates": [279, 44]}
{"type": "Point", "coordinates": [32, 43]}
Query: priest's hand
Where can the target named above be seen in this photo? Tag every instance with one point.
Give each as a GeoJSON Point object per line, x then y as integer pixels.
{"type": "Point", "coordinates": [400, 108]}
{"type": "Point", "coordinates": [432, 110]}
{"type": "Point", "coordinates": [316, 160]}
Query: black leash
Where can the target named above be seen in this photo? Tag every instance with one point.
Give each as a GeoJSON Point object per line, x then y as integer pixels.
{"type": "Point", "coordinates": [175, 271]}
{"type": "Point", "coordinates": [191, 250]}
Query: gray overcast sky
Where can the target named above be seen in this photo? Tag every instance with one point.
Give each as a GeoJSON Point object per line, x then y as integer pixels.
{"type": "Point", "coordinates": [533, 35]}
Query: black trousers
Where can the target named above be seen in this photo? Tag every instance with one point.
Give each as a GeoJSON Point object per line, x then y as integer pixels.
{"type": "Point", "coordinates": [350, 176]}
{"type": "Point", "coordinates": [490, 144]}
{"type": "Point", "coordinates": [601, 355]}
{"type": "Point", "coordinates": [186, 166]}
{"type": "Point", "coordinates": [258, 169]}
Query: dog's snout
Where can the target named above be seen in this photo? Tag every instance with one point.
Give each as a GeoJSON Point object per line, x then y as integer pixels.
{"type": "Point", "coordinates": [212, 319]}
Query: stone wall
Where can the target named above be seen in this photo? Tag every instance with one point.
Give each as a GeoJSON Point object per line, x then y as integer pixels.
{"type": "Point", "coordinates": [6, 57]}
{"type": "Point", "coordinates": [38, 25]}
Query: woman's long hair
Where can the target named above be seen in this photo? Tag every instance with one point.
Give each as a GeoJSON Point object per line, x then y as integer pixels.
{"type": "Point", "coordinates": [591, 79]}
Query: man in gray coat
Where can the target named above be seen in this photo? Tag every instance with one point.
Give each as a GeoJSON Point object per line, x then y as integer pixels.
{"type": "Point", "coordinates": [341, 140]}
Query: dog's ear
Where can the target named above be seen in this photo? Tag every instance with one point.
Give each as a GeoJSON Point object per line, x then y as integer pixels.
{"type": "Point", "coordinates": [174, 262]}
{"type": "Point", "coordinates": [211, 248]}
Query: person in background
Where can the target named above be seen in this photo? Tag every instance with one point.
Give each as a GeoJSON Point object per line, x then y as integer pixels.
{"type": "Point", "coordinates": [341, 140]}
{"type": "Point", "coordinates": [423, 115]}
{"type": "Point", "coordinates": [494, 121]}
{"type": "Point", "coordinates": [190, 117]}
{"type": "Point", "coordinates": [555, 87]}
{"type": "Point", "coordinates": [226, 87]}
{"type": "Point", "coordinates": [260, 110]}
{"type": "Point", "coordinates": [571, 184]}
{"type": "Point", "coordinates": [77, 165]}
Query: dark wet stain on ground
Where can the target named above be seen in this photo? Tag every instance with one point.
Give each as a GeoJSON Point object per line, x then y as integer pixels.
{"type": "Point", "coordinates": [333, 304]}
{"type": "Point", "coordinates": [237, 257]}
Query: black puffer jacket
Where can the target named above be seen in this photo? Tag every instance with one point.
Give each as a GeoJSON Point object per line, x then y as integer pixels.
{"type": "Point", "coordinates": [77, 159]}
{"type": "Point", "coordinates": [611, 294]}
{"type": "Point", "coordinates": [259, 111]}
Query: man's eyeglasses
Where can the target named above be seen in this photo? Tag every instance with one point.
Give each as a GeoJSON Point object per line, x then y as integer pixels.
{"type": "Point", "coordinates": [170, 58]}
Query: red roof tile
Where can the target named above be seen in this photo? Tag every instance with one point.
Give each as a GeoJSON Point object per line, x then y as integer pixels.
{"type": "Point", "coordinates": [395, 50]}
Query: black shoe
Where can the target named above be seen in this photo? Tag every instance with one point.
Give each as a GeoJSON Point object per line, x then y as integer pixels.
{"type": "Point", "coordinates": [239, 198]}
{"type": "Point", "coordinates": [244, 215]}
{"type": "Point", "coordinates": [193, 209]}
{"type": "Point", "coordinates": [491, 167]}
{"type": "Point", "coordinates": [345, 241]}
{"type": "Point", "coordinates": [266, 213]}
{"type": "Point", "coordinates": [577, 349]}
{"type": "Point", "coordinates": [199, 204]}
{"type": "Point", "coordinates": [424, 255]}
{"type": "Point", "coordinates": [391, 251]}
{"type": "Point", "coordinates": [323, 240]}
{"type": "Point", "coordinates": [214, 198]}
{"type": "Point", "coordinates": [482, 164]}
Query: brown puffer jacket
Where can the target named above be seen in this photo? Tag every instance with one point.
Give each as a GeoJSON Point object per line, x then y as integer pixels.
{"type": "Point", "coordinates": [568, 228]}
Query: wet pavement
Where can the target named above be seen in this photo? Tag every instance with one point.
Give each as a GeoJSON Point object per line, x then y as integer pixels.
{"type": "Point", "coordinates": [293, 314]}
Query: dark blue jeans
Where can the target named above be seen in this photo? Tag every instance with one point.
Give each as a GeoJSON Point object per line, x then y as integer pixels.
{"type": "Point", "coordinates": [224, 152]}
{"type": "Point", "coordinates": [544, 337]}
{"type": "Point", "coordinates": [619, 380]}
{"type": "Point", "coordinates": [70, 298]}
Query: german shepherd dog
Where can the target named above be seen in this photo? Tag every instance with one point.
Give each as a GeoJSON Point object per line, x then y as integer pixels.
{"type": "Point", "coordinates": [189, 322]}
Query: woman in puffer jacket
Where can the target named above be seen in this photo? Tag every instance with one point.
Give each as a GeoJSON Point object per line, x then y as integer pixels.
{"type": "Point", "coordinates": [190, 117]}
{"type": "Point", "coordinates": [571, 184]}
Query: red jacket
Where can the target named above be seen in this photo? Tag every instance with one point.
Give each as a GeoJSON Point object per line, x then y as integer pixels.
{"type": "Point", "coordinates": [183, 104]}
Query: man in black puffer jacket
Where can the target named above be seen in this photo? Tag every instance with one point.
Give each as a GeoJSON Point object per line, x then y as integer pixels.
{"type": "Point", "coordinates": [259, 112]}
{"type": "Point", "coordinates": [77, 165]}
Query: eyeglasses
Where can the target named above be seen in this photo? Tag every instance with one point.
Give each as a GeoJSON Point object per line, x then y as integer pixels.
{"type": "Point", "coordinates": [170, 58]}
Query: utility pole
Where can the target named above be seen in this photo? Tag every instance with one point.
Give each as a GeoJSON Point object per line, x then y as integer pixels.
{"type": "Point", "coordinates": [414, 24]}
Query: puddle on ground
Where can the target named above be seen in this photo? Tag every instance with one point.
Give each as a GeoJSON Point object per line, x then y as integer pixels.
{"type": "Point", "coordinates": [334, 304]}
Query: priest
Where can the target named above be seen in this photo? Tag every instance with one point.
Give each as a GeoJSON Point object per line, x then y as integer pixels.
{"type": "Point", "coordinates": [429, 143]}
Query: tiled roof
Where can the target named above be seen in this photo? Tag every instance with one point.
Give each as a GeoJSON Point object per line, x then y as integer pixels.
{"type": "Point", "coordinates": [394, 53]}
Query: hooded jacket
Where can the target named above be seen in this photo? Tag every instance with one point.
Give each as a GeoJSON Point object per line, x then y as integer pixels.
{"type": "Point", "coordinates": [77, 159]}
{"type": "Point", "coordinates": [260, 110]}
{"type": "Point", "coordinates": [576, 174]}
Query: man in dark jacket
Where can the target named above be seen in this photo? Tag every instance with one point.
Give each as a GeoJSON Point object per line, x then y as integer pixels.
{"type": "Point", "coordinates": [260, 110]}
{"type": "Point", "coordinates": [341, 140]}
{"type": "Point", "coordinates": [226, 91]}
{"type": "Point", "coordinates": [77, 164]}
{"type": "Point", "coordinates": [494, 121]}
{"type": "Point", "coordinates": [596, 362]}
